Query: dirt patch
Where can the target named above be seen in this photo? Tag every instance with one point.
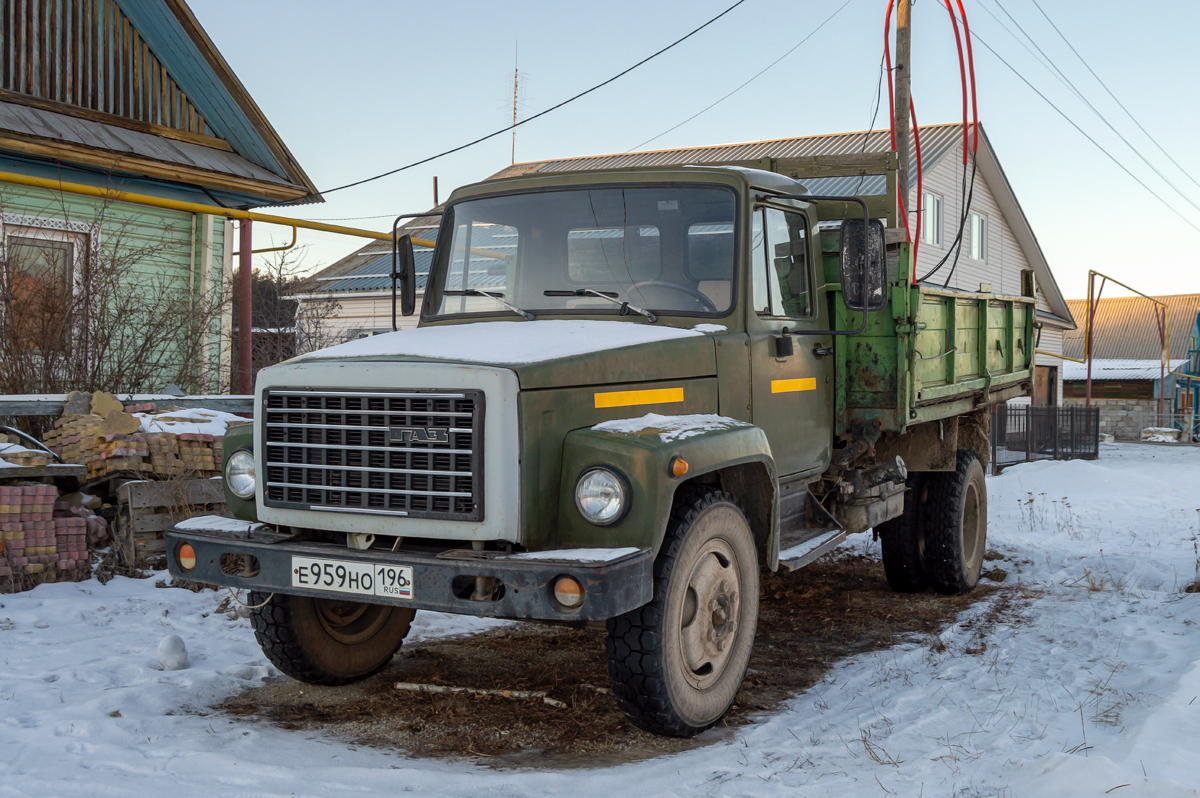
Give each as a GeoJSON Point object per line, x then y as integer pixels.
{"type": "Point", "coordinates": [809, 619]}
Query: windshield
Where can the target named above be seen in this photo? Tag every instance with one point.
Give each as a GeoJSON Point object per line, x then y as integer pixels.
{"type": "Point", "coordinates": [663, 249]}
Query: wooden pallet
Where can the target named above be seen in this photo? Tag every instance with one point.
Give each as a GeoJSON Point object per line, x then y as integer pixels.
{"type": "Point", "coordinates": [146, 510]}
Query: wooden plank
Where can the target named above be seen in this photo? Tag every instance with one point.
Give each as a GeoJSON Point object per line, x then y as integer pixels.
{"type": "Point", "coordinates": [848, 165]}
{"type": "Point", "coordinates": [37, 472]}
{"type": "Point", "coordinates": [149, 523]}
{"type": "Point", "coordinates": [139, 495]}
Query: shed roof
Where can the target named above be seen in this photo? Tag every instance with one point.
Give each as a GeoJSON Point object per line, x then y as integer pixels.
{"type": "Point", "coordinates": [1125, 327]}
{"type": "Point", "coordinates": [1118, 369]}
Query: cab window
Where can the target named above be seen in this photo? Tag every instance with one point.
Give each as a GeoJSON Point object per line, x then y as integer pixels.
{"type": "Point", "coordinates": [780, 263]}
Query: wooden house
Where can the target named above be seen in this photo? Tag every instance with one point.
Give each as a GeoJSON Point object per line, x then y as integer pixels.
{"type": "Point", "coordinates": [131, 96]}
{"type": "Point", "coordinates": [998, 244]}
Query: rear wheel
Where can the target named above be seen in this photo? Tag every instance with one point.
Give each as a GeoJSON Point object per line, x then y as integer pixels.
{"type": "Point", "coordinates": [902, 541]}
{"type": "Point", "coordinates": [328, 641]}
{"type": "Point", "coordinates": [678, 662]}
{"type": "Point", "coordinates": [955, 520]}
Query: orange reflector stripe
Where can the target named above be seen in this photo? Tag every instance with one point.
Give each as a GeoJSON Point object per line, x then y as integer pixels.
{"type": "Point", "coordinates": [787, 386]}
{"type": "Point", "coordinates": [187, 557]}
{"type": "Point", "coordinates": [656, 396]}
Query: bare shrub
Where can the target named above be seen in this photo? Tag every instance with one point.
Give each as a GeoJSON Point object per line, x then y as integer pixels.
{"type": "Point", "coordinates": [283, 327]}
{"type": "Point", "coordinates": [101, 303]}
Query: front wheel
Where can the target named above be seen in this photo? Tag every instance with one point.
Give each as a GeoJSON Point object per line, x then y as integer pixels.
{"type": "Point", "coordinates": [328, 641]}
{"type": "Point", "coordinates": [678, 662]}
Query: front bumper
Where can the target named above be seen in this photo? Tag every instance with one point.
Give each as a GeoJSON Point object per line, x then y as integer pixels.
{"type": "Point", "coordinates": [611, 587]}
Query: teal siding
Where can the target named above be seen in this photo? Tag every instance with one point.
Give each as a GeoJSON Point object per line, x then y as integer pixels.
{"type": "Point", "coordinates": [154, 249]}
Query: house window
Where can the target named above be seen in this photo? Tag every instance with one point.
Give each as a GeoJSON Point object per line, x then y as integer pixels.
{"type": "Point", "coordinates": [931, 223]}
{"type": "Point", "coordinates": [979, 233]}
{"type": "Point", "coordinates": [39, 278]}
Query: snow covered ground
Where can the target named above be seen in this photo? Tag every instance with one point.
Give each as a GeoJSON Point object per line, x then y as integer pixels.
{"type": "Point", "coordinates": [1096, 692]}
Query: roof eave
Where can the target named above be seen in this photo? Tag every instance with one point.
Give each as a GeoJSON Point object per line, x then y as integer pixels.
{"type": "Point", "coordinates": [199, 37]}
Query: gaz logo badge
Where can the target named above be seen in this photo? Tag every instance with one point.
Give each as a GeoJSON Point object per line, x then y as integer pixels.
{"type": "Point", "coordinates": [418, 434]}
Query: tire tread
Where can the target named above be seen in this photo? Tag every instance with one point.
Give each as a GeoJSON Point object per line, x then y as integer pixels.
{"type": "Point", "coordinates": [636, 659]}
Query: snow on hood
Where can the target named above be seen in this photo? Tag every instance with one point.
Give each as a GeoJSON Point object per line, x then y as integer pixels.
{"type": "Point", "coordinates": [506, 342]}
{"type": "Point", "coordinates": [670, 428]}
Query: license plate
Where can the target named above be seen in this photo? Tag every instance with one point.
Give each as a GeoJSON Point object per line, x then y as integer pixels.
{"type": "Point", "coordinates": [355, 578]}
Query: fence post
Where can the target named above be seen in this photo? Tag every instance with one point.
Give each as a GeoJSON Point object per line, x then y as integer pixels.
{"type": "Point", "coordinates": [994, 434]}
{"type": "Point", "coordinates": [1029, 433]}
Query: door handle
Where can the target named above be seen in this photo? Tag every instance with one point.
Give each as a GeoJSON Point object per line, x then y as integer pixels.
{"type": "Point", "coordinates": [822, 351]}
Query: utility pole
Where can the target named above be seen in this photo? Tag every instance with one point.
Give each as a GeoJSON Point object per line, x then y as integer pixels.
{"type": "Point", "coordinates": [516, 88]}
{"type": "Point", "coordinates": [903, 74]}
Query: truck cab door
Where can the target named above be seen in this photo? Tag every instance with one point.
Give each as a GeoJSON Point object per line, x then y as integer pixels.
{"type": "Point", "coordinates": [791, 393]}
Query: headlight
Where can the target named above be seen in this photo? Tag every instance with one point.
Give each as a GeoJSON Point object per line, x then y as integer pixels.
{"type": "Point", "coordinates": [240, 476]}
{"type": "Point", "coordinates": [602, 496]}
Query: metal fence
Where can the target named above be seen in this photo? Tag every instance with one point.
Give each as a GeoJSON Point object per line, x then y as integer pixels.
{"type": "Point", "coordinates": [1023, 433]}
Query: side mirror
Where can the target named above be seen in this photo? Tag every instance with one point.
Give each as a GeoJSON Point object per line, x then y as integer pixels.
{"type": "Point", "coordinates": [407, 272]}
{"type": "Point", "coordinates": [864, 266]}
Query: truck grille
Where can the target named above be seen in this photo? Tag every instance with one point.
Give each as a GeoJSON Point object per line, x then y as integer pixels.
{"type": "Point", "coordinates": [413, 453]}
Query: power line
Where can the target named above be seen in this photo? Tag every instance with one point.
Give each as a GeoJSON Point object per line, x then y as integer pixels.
{"type": "Point", "coordinates": [1073, 124]}
{"type": "Point", "coordinates": [1100, 115]}
{"type": "Point", "coordinates": [747, 83]}
{"type": "Point", "coordinates": [509, 128]}
{"type": "Point", "coordinates": [1110, 94]}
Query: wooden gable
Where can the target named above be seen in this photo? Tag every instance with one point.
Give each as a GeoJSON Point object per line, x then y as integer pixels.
{"type": "Point", "coordinates": [85, 58]}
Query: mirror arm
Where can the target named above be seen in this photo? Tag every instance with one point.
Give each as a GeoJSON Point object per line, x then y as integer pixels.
{"type": "Point", "coordinates": [866, 227]}
{"type": "Point", "coordinates": [396, 253]}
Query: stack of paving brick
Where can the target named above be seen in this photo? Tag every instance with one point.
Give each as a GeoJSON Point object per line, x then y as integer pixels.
{"type": "Point", "coordinates": [164, 454]}
{"type": "Point", "coordinates": [27, 530]}
{"type": "Point", "coordinates": [13, 452]}
{"type": "Point", "coordinates": [108, 440]}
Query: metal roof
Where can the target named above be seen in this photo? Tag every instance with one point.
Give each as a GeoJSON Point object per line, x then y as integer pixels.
{"type": "Point", "coordinates": [89, 133]}
{"type": "Point", "coordinates": [936, 141]}
{"type": "Point", "coordinates": [1118, 369]}
{"type": "Point", "coordinates": [370, 269]}
{"type": "Point", "coordinates": [1125, 327]}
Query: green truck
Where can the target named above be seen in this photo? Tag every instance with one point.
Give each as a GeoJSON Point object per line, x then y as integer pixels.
{"type": "Point", "coordinates": [630, 393]}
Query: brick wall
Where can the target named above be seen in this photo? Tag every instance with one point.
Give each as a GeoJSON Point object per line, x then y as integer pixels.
{"type": "Point", "coordinates": [1121, 418]}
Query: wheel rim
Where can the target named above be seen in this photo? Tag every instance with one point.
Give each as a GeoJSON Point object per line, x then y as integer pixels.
{"type": "Point", "coordinates": [972, 529]}
{"type": "Point", "coordinates": [351, 622]}
{"type": "Point", "coordinates": [709, 617]}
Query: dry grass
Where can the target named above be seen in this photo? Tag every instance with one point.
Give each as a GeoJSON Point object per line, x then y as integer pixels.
{"type": "Point", "coordinates": [810, 619]}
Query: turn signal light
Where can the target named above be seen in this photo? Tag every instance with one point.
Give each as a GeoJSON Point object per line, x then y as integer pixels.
{"type": "Point", "coordinates": [679, 467]}
{"type": "Point", "coordinates": [568, 592]}
{"type": "Point", "coordinates": [186, 556]}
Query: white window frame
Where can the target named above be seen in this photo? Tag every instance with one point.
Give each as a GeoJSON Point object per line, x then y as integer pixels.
{"type": "Point", "coordinates": [979, 243]}
{"type": "Point", "coordinates": [933, 208]}
{"type": "Point", "coordinates": [82, 236]}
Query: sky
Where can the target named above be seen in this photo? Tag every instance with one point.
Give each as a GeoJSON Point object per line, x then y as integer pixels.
{"type": "Point", "coordinates": [364, 86]}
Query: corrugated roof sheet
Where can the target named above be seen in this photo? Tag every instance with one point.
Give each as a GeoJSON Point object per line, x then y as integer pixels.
{"type": "Point", "coordinates": [370, 269]}
{"type": "Point", "coordinates": [1118, 369]}
{"type": "Point", "coordinates": [936, 141]}
{"type": "Point", "coordinates": [1126, 328]}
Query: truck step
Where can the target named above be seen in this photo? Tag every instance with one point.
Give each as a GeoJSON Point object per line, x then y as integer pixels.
{"type": "Point", "coordinates": [796, 557]}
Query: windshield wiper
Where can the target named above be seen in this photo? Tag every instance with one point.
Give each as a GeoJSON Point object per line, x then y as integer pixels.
{"type": "Point", "coordinates": [496, 296]}
{"type": "Point", "coordinates": [610, 296]}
